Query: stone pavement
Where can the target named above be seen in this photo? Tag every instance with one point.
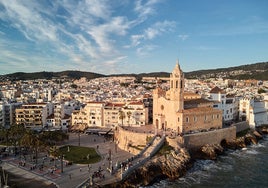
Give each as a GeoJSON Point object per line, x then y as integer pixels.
{"type": "Point", "coordinates": [75, 174]}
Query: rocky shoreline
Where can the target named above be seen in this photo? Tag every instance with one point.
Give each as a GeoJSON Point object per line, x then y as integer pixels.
{"type": "Point", "coordinates": [175, 164]}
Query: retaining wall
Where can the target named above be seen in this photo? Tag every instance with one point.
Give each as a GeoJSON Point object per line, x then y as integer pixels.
{"type": "Point", "coordinates": [194, 141]}
{"type": "Point", "coordinates": [241, 126]}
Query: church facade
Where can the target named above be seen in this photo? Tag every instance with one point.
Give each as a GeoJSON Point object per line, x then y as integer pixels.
{"type": "Point", "coordinates": [171, 111]}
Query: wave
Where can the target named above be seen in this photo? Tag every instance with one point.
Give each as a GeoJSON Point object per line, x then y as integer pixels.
{"type": "Point", "coordinates": [254, 152]}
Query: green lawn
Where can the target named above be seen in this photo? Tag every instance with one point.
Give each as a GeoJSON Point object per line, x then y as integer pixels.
{"type": "Point", "coordinates": [80, 155]}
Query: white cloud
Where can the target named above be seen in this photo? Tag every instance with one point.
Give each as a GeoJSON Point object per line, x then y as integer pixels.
{"type": "Point", "coordinates": [26, 18]}
{"type": "Point", "coordinates": [82, 33]}
{"type": "Point", "coordinates": [183, 37]}
{"type": "Point", "coordinates": [136, 39]}
{"type": "Point", "coordinates": [147, 8]}
{"type": "Point", "coordinates": [145, 50]}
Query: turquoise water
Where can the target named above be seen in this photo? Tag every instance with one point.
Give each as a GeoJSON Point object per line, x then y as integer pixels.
{"type": "Point", "coordinates": [240, 168]}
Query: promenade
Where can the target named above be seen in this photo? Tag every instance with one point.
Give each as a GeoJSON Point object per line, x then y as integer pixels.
{"type": "Point", "coordinates": [73, 175]}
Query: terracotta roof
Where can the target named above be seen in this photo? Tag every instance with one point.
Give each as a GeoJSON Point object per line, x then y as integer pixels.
{"type": "Point", "coordinates": [115, 104]}
{"type": "Point", "coordinates": [217, 90]}
{"type": "Point", "coordinates": [136, 103]}
{"type": "Point", "coordinates": [95, 102]}
{"type": "Point", "coordinates": [200, 109]}
{"type": "Point", "coordinates": [196, 101]}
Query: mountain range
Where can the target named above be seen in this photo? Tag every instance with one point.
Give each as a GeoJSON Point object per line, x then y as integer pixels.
{"type": "Point", "coordinates": [258, 71]}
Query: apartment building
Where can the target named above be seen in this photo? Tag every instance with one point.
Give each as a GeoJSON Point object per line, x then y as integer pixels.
{"type": "Point", "coordinates": [100, 114]}
{"type": "Point", "coordinates": [7, 113]}
{"type": "Point", "coordinates": [34, 114]}
{"type": "Point", "coordinates": [254, 111]}
{"type": "Point", "coordinates": [136, 114]}
{"type": "Point", "coordinates": [89, 116]}
{"type": "Point", "coordinates": [227, 103]}
{"type": "Point", "coordinates": [111, 114]}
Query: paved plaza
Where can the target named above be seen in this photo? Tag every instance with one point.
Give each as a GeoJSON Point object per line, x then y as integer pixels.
{"type": "Point", "coordinates": [73, 175]}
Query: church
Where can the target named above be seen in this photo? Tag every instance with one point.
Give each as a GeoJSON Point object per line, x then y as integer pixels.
{"type": "Point", "coordinates": [173, 111]}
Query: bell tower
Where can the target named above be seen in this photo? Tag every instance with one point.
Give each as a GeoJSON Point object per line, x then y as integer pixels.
{"type": "Point", "coordinates": [177, 88]}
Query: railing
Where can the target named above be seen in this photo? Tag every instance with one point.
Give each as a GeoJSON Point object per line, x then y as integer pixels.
{"type": "Point", "coordinates": [140, 163]}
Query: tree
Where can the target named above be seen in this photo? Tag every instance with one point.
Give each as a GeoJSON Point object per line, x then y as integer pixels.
{"type": "Point", "coordinates": [128, 115]}
{"type": "Point", "coordinates": [16, 133]}
{"type": "Point", "coordinates": [4, 134]}
{"type": "Point", "coordinates": [261, 90]}
{"type": "Point", "coordinates": [51, 138]}
{"type": "Point", "coordinates": [122, 116]}
{"type": "Point", "coordinates": [32, 141]}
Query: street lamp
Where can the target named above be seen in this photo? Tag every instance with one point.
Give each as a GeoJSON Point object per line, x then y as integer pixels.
{"type": "Point", "coordinates": [79, 138]}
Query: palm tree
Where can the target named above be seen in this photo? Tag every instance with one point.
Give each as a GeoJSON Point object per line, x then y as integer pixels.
{"type": "Point", "coordinates": [4, 134]}
{"type": "Point", "coordinates": [128, 115]}
{"type": "Point", "coordinates": [122, 115]}
{"type": "Point", "coordinates": [16, 133]}
{"type": "Point", "coordinates": [32, 140]}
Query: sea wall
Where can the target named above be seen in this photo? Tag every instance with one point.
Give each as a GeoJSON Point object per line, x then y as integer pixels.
{"type": "Point", "coordinates": [197, 140]}
{"type": "Point", "coordinates": [125, 139]}
{"type": "Point", "coordinates": [241, 126]}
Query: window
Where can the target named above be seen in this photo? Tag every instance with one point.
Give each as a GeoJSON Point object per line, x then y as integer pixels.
{"type": "Point", "coordinates": [187, 119]}
{"type": "Point", "coordinates": [178, 119]}
{"type": "Point", "coordinates": [176, 84]}
{"type": "Point", "coordinates": [195, 118]}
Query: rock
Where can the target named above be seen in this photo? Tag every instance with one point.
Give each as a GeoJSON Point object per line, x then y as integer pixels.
{"type": "Point", "coordinates": [172, 166]}
{"type": "Point", "coordinates": [208, 152]}
{"type": "Point", "coordinates": [257, 134]}
{"type": "Point", "coordinates": [250, 139]}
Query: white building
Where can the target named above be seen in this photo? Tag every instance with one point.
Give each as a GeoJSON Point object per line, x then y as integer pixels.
{"type": "Point", "coordinates": [109, 115]}
{"type": "Point", "coordinates": [227, 103]}
{"type": "Point", "coordinates": [254, 111]}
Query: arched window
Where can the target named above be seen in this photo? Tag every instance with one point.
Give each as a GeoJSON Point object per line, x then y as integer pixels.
{"type": "Point", "coordinates": [176, 84]}
{"type": "Point", "coordinates": [187, 119]}
{"type": "Point", "coordinates": [178, 119]}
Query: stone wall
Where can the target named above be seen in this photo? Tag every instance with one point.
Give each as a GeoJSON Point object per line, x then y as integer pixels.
{"type": "Point", "coordinates": [194, 141]}
{"type": "Point", "coordinates": [241, 126]}
{"type": "Point", "coordinates": [124, 138]}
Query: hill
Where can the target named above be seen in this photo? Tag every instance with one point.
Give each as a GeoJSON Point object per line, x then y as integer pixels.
{"type": "Point", "coordinates": [258, 71]}
{"type": "Point", "coordinates": [50, 75]}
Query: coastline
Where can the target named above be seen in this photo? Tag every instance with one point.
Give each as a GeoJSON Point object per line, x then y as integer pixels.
{"type": "Point", "coordinates": [164, 166]}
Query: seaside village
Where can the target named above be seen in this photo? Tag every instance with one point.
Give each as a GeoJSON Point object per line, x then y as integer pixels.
{"type": "Point", "coordinates": [185, 112]}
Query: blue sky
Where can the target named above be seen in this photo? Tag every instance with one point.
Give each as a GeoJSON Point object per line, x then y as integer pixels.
{"type": "Point", "coordinates": [131, 36]}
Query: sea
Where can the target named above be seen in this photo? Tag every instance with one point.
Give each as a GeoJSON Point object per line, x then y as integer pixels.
{"type": "Point", "coordinates": [244, 168]}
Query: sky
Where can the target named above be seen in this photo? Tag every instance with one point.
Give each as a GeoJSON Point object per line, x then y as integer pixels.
{"type": "Point", "coordinates": [131, 36]}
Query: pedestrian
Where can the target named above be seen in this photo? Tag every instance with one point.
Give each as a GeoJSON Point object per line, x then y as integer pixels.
{"type": "Point", "coordinates": [80, 169]}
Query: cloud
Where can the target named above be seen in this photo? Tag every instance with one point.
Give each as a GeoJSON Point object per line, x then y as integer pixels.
{"type": "Point", "coordinates": [27, 19]}
{"type": "Point", "coordinates": [147, 8]}
{"type": "Point", "coordinates": [85, 34]}
{"type": "Point", "coordinates": [183, 37]}
{"type": "Point", "coordinates": [159, 28]}
{"type": "Point", "coordinates": [145, 50]}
